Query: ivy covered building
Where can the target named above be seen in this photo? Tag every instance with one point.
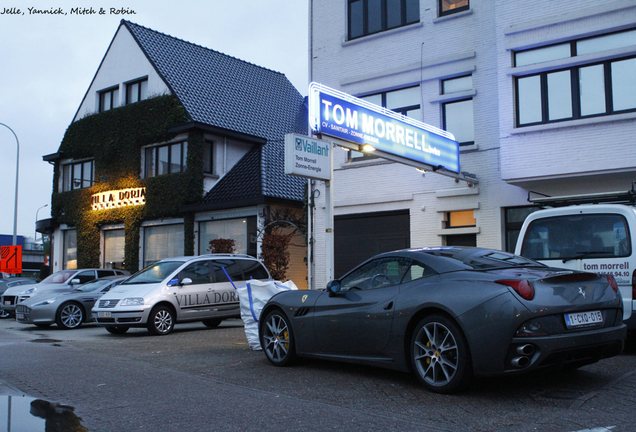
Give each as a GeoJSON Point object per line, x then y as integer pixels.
{"type": "Point", "coordinates": [173, 145]}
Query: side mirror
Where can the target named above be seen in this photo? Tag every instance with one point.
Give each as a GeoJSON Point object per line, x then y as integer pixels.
{"type": "Point", "coordinates": [333, 287]}
{"type": "Point", "coordinates": [76, 282]}
{"type": "Point", "coordinates": [186, 281]}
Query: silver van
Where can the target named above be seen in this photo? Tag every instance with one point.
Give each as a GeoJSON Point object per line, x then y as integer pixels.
{"type": "Point", "coordinates": [599, 238]}
{"type": "Point", "coordinates": [181, 289]}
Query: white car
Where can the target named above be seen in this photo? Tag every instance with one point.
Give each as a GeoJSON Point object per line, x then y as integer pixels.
{"type": "Point", "coordinates": [180, 289]}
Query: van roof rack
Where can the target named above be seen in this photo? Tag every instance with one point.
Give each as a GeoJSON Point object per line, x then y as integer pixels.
{"type": "Point", "coordinates": [619, 197]}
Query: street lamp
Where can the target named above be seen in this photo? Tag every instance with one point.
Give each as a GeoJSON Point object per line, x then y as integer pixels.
{"type": "Point", "coordinates": [17, 170]}
{"type": "Point", "coordinates": [35, 233]}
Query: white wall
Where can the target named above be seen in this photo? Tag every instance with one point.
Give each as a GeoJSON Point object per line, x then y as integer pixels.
{"type": "Point", "coordinates": [572, 159]}
{"type": "Point", "coordinates": [124, 62]}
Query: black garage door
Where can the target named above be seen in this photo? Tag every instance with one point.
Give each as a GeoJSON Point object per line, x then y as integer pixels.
{"type": "Point", "coordinates": [358, 237]}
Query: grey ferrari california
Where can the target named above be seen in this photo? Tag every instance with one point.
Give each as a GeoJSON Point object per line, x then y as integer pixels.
{"type": "Point", "coordinates": [448, 314]}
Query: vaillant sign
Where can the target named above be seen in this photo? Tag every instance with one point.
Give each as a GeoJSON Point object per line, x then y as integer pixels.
{"type": "Point", "coordinates": [307, 157]}
{"type": "Point", "coordinates": [354, 120]}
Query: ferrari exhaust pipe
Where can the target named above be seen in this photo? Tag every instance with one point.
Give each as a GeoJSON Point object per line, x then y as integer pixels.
{"type": "Point", "coordinates": [525, 350]}
{"type": "Point", "coordinates": [520, 362]}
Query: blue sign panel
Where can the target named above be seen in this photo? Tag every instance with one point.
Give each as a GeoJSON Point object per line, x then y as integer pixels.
{"type": "Point", "coordinates": [354, 120]}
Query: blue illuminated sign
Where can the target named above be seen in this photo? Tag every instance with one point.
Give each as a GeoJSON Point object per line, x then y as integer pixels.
{"type": "Point", "coordinates": [351, 119]}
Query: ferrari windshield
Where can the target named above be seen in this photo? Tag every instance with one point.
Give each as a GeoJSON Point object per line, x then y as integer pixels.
{"type": "Point", "coordinates": [155, 273]}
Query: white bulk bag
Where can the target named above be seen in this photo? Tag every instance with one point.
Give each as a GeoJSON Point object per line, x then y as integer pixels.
{"type": "Point", "coordinates": [253, 297]}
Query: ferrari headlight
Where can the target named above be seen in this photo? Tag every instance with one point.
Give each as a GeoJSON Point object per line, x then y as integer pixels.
{"type": "Point", "coordinates": [132, 301]}
{"type": "Point", "coordinates": [44, 303]}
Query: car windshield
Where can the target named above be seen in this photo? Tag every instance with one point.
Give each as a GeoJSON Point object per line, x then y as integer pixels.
{"type": "Point", "coordinates": [93, 285]}
{"type": "Point", "coordinates": [154, 273]}
{"type": "Point", "coordinates": [59, 277]}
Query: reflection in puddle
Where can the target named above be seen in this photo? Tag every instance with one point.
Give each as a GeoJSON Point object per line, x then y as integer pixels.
{"type": "Point", "coordinates": [26, 414]}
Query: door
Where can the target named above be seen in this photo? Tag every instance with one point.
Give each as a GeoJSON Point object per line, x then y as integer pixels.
{"type": "Point", "coordinates": [358, 319]}
{"type": "Point", "coordinates": [194, 299]}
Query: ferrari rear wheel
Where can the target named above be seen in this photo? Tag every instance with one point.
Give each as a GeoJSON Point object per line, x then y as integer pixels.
{"type": "Point", "coordinates": [440, 356]}
{"type": "Point", "coordinates": [277, 339]}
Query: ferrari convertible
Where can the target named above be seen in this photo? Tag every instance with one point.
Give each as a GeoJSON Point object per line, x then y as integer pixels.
{"type": "Point", "coordinates": [448, 314]}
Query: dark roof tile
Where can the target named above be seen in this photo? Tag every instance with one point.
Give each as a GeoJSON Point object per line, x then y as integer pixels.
{"type": "Point", "coordinates": [225, 92]}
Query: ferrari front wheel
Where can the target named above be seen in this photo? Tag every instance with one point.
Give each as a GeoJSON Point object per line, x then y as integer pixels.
{"type": "Point", "coordinates": [277, 339]}
{"type": "Point", "coordinates": [440, 356]}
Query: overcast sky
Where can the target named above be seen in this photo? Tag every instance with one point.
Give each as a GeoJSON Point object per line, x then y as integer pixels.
{"type": "Point", "coordinates": [48, 61]}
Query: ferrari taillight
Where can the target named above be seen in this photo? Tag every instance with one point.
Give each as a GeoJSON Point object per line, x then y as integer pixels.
{"type": "Point", "coordinates": [522, 287]}
{"type": "Point", "coordinates": [612, 283]}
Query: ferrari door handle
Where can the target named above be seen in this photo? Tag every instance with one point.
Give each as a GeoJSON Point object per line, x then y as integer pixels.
{"type": "Point", "coordinates": [389, 306]}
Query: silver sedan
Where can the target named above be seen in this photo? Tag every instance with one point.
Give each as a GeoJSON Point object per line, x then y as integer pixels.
{"type": "Point", "coordinates": [67, 310]}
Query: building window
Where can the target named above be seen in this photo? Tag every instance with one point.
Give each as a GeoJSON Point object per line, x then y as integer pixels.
{"type": "Point", "coordinates": [447, 7]}
{"type": "Point", "coordinates": [77, 175]}
{"type": "Point", "coordinates": [514, 218]}
{"type": "Point", "coordinates": [242, 231]}
{"type": "Point", "coordinates": [136, 91]}
{"type": "Point", "coordinates": [457, 116]}
{"type": "Point", "coordinates": [70, 250]}
{"type": "Point", "coordinates": [165, 159]}
{"type": "Point", "coordinates": [460, 219]}
{"type": "Point", "coordinates": [114, 243]}
{"type": "Point", "coordinates": [208, 157]}
{"type": "Point", "coordinates": [162, 241]}
{"type": "Point", "coordinates": [373, 16]}
{"type": "Point", "coordinates": [595, 89]}
{"type": "Point", "coordinates": [404, 101]}
{"type": "Point", "coordinates": [108, 99]}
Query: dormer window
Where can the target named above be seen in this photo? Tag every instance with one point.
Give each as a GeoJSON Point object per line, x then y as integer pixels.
{"type": "Point", "coordinates": [165, 159]}
{"type": "Point", "coordinates": [109, 99]}
{"type": "Point", "coordinates": [136, 91]}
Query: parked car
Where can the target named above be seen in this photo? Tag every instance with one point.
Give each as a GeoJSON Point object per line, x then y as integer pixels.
{"type": "Point", "coordinates": [60, 281]}
{"type": "Point", "coordinates": [448, 313]}
{"type": "Point", "coordinates": [6, 283]}
{"type": "Point", "coordinates": [67, 309]}
{"type": "Point", "coordinates": [590, 233]}
{"type": "Point", "coordinates": [181, 289]}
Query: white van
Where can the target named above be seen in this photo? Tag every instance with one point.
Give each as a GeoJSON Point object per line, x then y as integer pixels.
{"type": "Point", "coordinates": [181, 289]}
{"type": "Point", "coordinates": [580, 234]}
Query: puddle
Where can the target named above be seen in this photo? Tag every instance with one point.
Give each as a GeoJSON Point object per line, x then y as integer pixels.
{"type": "Point", "coordinates": [26, 414]}
{"type": "Point", "coordinates": [54, 342]}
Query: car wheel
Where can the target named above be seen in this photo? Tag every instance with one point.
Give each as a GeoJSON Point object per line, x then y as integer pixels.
{"type": "Point", "coordinates": [439, 354]}
{"type": "Point", "coordinates": [117, 330]}
{"type": "Point", "coordinates": [277, 339]}
{"type": "Point", "coordinates": [212, 323]}
{"type": "Point", "coordinates": [4, 314]}
{"type": "Point", "coordinates": [69, 316]}
{"type": "Point", "coordinates": [160, 321]}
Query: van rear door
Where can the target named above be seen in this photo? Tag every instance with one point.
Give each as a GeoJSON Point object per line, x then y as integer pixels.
{"type": "Point", "coordinates": [588, 238]}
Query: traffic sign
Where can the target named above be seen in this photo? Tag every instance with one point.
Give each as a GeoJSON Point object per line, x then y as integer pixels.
{"type": "Point", "coordinates": [11, 259]}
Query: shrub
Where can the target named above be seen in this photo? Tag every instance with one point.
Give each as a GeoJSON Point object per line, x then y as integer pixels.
{"type": "Point", "coordinates": [222, 246]}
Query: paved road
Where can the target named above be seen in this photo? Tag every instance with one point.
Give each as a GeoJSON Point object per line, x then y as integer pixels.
{"type": "Point", "coordinates": [199, 379]}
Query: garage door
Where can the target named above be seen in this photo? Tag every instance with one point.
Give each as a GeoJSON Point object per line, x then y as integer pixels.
{"type": "Point", "coordinates": [360, 236]}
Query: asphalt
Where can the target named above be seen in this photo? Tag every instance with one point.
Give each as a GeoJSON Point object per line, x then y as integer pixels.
{"type": "Point", "coordinates": [199, 379]}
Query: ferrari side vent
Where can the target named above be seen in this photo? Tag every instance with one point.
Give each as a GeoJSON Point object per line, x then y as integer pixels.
{"type": "Point", "coordinates": [301, 312]}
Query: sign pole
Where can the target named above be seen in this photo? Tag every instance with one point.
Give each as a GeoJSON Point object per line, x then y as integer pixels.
{"type": "Point", "coordinates": [329, 234]}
